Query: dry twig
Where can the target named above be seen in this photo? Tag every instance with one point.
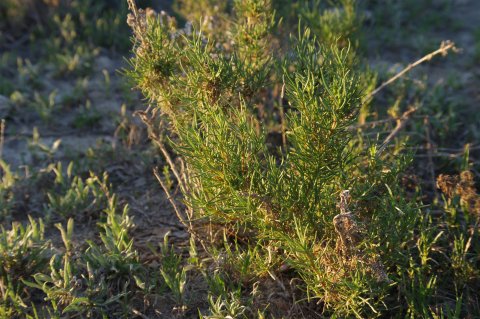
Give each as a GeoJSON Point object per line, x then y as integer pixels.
{"type": "Point", "coordinates": [350, 237]}
{"type": "Point", "coordinates": [445, 46]}
{"type": "Point", "coordinates": [180, 216]}
{"type": "Point", "coordinates": [400, 124]}
{"type": "Point", "coordinates": [156, 138]}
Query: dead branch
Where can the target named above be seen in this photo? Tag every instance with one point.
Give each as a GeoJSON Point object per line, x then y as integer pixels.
{"type": "Point", "coordinates": [445, 46]}
{"type": "Point", "coordinates": [400, 124]}
{"type": "Point", "coordinates": [180, 216]}
{"type": "Point", "coordinates": [156, 138]}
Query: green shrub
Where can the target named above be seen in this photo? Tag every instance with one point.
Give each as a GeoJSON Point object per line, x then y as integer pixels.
{"type": "Point", "coordinates": [220, 103]}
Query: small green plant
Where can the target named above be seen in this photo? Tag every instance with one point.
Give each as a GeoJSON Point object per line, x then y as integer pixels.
{"type": "Point", "coordinates": [225, 298]}
{"type": "Point", "coordinates": [78, 95]}
{"type": "Point", "coordinates": [28, 74]}
{"type": "Point", "coordinates": [98, 280]}
{"type": "Point", "coordinates": [78, 61]}
{"type": "Point", "coordinates": [172, 271]}
{"type": "Point", "coordinates": [59, 286]}
{"type": "Point", "coordinates": [39, 149]}
{"type": "Point", "coordinates": [229, 306]}
{"type": "Point", "coordinates": [73, 196]}
{"type": "Point", "coordinates": [6, 190]}
{"type": "Point", "coordinates": [87, 117]}
{"type": "Point", "coordinates": [23, 252]}
{"type": "Point", "coordinates": [45, 106]}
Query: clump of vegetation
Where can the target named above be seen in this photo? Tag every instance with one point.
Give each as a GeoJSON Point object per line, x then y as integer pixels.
{"type": "Point", "coordinates": [461, 187]}
{"type": "Point", "coordinates": [96, 281]}
{"type": "Point", "coordinates": [6, 190]}
{"type": "Point", "coordinates": [218, 99]}
{"type": "Point", "coordinates": [296, 191]}
{"type": "Point", "coordinates": [72, 196]}
{"type": "Point", "coordinates": [23, 253]}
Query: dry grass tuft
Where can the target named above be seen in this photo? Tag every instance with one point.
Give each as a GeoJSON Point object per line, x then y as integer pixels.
{"type": "Point", "coordinates": [463, 186]}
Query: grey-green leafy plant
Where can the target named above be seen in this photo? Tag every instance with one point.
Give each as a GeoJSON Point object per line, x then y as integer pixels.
{"type": "Point", "coordinates": [173, 272]}
{"type": "Point", "coordinates": [23, 252]}
{"type": "Point", "coordinates": [73, 195]}
{"type": "Point", "coordinates": [99, 280]}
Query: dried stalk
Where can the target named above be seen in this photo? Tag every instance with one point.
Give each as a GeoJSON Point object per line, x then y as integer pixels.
{"type": "Point", "coordinates": [158, 141]}
{"type": "Point", "coordinates": [445, 46]}
{"type": "Point", "coordinates": [400, 124]}
{"type": "Point", "coordinates": [180, 216]}
{"type": "Point", "coordinates": [283, 121]}
{"type": "Point", "coordinates": [172, 166]}
{"type": "Point", "coordinates": [346, 226]}
{"type": "Point", "coordinates": [350, 236]}
{"type": "Point", "coordinates": [132, 7]}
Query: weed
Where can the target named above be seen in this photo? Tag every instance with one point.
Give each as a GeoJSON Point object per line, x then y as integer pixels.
{"type": "Point", "coordinates": [78, 95]}
{"type": "Point", "coordinates": [72, 196]}
{"type": "Point", "coordinates": [23, 252]}
{"type": "Point", "coordinates": [39, 149]}
{"type": "Point", "coordinates": [90, 282]}
{"type": "Point", "coordinates": [173, 273]}
{"type": "Point", "coordinates": [6, 192]}
{"type": "Point", "coordinates": [44, 105]}
{"type": "Point", "coordinates": [87, 117]}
